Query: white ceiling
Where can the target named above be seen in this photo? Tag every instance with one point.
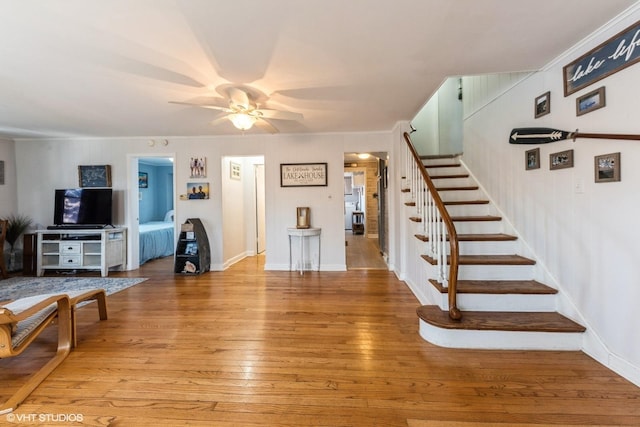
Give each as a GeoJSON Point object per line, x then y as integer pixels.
{"type": "Point", "coordinates": [108, 68]}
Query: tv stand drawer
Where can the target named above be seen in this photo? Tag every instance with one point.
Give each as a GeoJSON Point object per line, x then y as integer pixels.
{"type": "Point", "coordinates": [70, 260]}
{"type": "Point", "coordinates": [70, 247]}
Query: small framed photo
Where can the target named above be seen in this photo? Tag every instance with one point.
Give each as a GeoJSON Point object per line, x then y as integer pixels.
{"type": "Point", "coordinates": [235, 171]}
{"type": "Point", "coordinates": [542, 105]}
{"type": "Point", "coordinates": [197, 190]}
{"type": "Point", "coordinates": [607, 167]}
{"type": "Point", "coordinates": [590, 101]}
{"type": "Point", "coordinates": [143, 180]}
{"type": "Point", "coordinates": [94, 176]}
{"type": "Point", "coordinates": [532, 159]}
{"type": "Point", "coordinates": [198, 167]}
{"type": "Point", "coordinates": [561, 160]}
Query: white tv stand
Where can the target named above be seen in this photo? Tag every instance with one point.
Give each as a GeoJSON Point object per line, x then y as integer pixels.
{"type": "Point", "coordinates": [81, 249]}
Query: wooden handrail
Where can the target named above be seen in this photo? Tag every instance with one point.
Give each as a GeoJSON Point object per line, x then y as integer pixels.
{"type": "Point", "coordinates": [454, 312]}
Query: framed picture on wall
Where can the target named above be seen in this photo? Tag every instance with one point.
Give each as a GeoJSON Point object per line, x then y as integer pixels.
{"type": "Point", "coordinates": [542, 105]}
{"type": "Point", "coordinates": [607, 167]}
{"type": "Point", "coordinates": [94, 176]}
{"type": "Point", "coordinates": [561, 160]}
{"type": "Point", "coordinates": [532, 159]}
{"type": "Point", "coordinates": [197, 190]}
{"type": "Point", "coordinates": [143, 180]}
{"type": "Point", "coordinates": [235, 171]}
{"type": "Point", "coordinates": [198, 167]}
{"type": "Point", "coordinates": [591, 101]}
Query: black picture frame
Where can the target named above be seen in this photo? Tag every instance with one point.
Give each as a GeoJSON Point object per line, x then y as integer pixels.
{"type": "Point", "coordinates": [94, 176]}
{"type": "Point", "coordinates": [303, 175]}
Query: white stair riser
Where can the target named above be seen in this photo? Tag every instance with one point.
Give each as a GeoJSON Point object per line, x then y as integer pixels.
{"type": "Point", "coordinates": [468, 210]}
{"type": "Point", "coordinates": [479, 227]}
{"type": "Point", "coordinates": [458, 195]}
{"type": "Point", "coordinates": [453, 182]}
{"type": "Point", "coordinates": [501, 302]}
{"type": "Point", "coordinates": [496, 272]}
{"type": "Point", "coordinates": [508, 247]}
{"type": "Point", "coordinates": [503, 340]}
{"type": "Point", "coordinates": [436, 172]}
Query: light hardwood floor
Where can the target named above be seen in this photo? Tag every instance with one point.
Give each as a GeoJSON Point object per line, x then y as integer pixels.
{"type": "Point", "coordinates": [363, 252]}
{"type": "Point", "coordinates": [246, 347]}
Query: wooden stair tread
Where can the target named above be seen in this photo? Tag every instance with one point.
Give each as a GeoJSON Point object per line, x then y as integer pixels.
{"type": "Point", "coordinates": [466, 202]}
{"type": "Point", "coordinates": [486, 260]}
{"type": "Point", "coordinates": [462, 188]}
{"type": "Point", "coordinates": [500, 320]}
{"type": "Point", "coordinates": [498, 287]}
{"type": "Point", "coordinates": [476, 218]}
{"type": "Point", "coordinates": [491, 237]}
{"type": "Point", "coordinates": [444, 165]}
{"type": "Point", "coordinates": [459, 175]}
{"type": "Point", "coordinates": [457, 202]}
{"type": "Point", "coordinates": [439, 156]}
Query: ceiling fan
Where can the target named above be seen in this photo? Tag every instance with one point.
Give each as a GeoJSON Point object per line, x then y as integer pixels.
{"type": "Point", "coordinates": [241, 106]}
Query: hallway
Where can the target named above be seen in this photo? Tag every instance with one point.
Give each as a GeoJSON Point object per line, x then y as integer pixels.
{"type": "Point", "coordinates": [363, 253]}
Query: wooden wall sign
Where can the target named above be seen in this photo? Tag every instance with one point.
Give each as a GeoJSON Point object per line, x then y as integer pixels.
{"type": "Point", "coordinates": [615, 54]}
{"type": "Point", "coordinates": [303, 174]}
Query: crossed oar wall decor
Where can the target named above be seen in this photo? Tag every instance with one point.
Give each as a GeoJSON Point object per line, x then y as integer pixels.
{"type": "Point", "coordinates": [546, 135]}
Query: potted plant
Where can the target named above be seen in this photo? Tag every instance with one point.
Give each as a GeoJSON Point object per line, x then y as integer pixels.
{"type": "Point", "coordinates": [17, 225]}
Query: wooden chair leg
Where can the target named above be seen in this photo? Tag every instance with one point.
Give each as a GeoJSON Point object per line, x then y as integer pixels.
{"type": "Point", "coordinates": [99, 296]}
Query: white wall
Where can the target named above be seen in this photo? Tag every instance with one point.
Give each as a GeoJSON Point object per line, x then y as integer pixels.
{"type": "Point", "coordinates": [44, 165]}
{"type": "Point", "coordinates": [588, 239]}
{"type": "Point", "coordinates": [449, 118]}
{"type": "Point", "coordinates": [8, 192]}
{"type": "Point", "coordinates": [426, 138]}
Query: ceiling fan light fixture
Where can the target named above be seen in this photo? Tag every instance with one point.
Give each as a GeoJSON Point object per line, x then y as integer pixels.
{"type": "Point", "coordinates": [242, 121]}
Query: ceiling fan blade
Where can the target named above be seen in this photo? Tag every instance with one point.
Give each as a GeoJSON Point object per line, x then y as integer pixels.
{"type": "Point", "coordinates": [220, 120]}
{"type": "Point", "coordinates": [279, 115]}
{"type": "Point", "coordinates": [239, 98]}
{"type": "Point", "coordinates": [212, 107]}
{"type": "Point", "coordinates": [265, 125]}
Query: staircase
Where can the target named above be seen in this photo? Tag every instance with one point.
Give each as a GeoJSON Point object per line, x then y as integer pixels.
{"type": "Point", "coordinates": [504, 302]}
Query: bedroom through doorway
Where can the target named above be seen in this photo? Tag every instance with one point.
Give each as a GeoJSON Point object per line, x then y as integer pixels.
{"type": "Point", "coordinates": [156, 223]}
{"type": "Point", "coordinates": [150, 208]}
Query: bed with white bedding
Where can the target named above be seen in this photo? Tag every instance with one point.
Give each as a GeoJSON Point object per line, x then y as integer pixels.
{"type": "Point", "coordinates": [156, 240]}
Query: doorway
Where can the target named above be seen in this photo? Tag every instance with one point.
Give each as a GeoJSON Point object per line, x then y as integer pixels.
{"type": "Point", "coordinates": [365, 217]}
{"type": "Point", "coordinates": [150, 207]}
{"type": "Point", "coordinates": [243, 208]}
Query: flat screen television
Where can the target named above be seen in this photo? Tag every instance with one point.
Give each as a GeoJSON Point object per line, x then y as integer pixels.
{"type": "Point", "coordinates": [78, 207]}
